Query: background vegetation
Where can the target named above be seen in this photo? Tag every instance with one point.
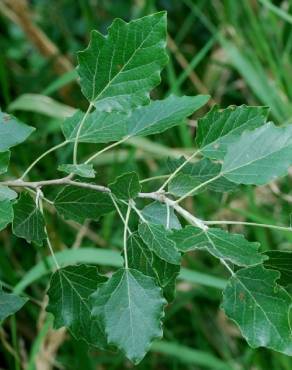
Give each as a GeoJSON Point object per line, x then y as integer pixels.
{"type": "Point", "coordinates": [239, 52]}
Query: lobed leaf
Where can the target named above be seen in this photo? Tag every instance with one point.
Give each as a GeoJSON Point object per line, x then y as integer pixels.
{"type": "Point", "coordinates": [220, 243]}
{"type": "Point", "coordinates": [260, 307]}
{"type": "Point", "coordinates": [69, 292]}
{"type": "Point", "coordinates": [219, 128]}
{"type": "Point", "coordinates": [126, 186]}
{"type": "Point", "coordinates": [12, 131]}
{"type": "Point", "coordinates": [130, 305]}
{"type": "Point", "coordinates": [28, 222]}
{"type": "Point", "coordinates": [80, 204]}
{"type": "Point", "coordinates": [117, 71]}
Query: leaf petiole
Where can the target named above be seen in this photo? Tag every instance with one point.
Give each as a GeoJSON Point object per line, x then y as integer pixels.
{"type": "Point", "coordinates": [197, 188]}
{"type": "Point", "coordinates": [125, 236]}
{"type": "Point", "coordinates": [283, 228]}
{"type": "Point", "coordinates": [177, 170]}
{"type": "Point", "coordinates": [42, 156]}
{"type": "Point", "coordinates": [39, 202]}
{"type": "Point", "coordinates": [76, 142]}
{"type": "Point", "coordinates": [90, 159]}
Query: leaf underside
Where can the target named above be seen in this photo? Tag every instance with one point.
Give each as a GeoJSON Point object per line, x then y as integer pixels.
{"type": "Point", "coordinates": [6, 193]}
{"type": "Point", "coordinates": [12, 131]}
{"type": "Point", "coordinates": [82, 170]}
{"type": "Point", "coordinates": [219, 128]}
{"type": "Point", "coordinates": [259, 156]}
{"type": "Point", "coordinates": [157, 213]}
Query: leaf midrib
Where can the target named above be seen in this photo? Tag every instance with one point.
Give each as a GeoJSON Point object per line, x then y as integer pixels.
{"type": "Point", "coordinates": [94, 100]}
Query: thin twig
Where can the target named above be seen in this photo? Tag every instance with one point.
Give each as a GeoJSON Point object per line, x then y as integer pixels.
{"type": "Point", "coordinates": [67, 181]}
{"type": "Point", "coordinates": [160, 197]}
{"type": "Point", "coordinates": [177, 170]}
{"type": "Point", "coordinates": [283, 228]}
{"type": "Point", "coordinates": [76, 141]}
{"type": "Point", "coordinates": [42, 156]}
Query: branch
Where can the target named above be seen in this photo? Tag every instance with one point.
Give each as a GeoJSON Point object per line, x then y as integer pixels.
{"type": "Point", "coordinates": [160, 197]}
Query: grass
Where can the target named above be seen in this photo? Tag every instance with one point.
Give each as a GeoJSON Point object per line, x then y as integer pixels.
{"type": "Point", "coordinates": [240, 53]}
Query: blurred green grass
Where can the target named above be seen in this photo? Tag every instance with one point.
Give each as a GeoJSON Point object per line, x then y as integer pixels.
{"type": "Point", "coordinates": [240, 53]}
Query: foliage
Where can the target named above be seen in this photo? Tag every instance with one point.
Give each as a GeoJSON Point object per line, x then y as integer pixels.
{"type": "Point", "coordinates": [234, 146]}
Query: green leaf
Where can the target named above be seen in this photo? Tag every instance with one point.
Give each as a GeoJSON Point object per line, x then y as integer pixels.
{"type": "Point", "coordinates": [82, 170]}
{"type": "Point", "coordinates": [158, 116]}
{"type": "Point", "coordinates": [28, 222]}
{"type": "Point", "coordinates": [161, 115]}
{"type": "Point", "coordinates": [12, 131]}
{"type": "Point", "coordinates": [9, 304]}
{"type": "Point", "coordinates": [220, 243]}
{"type": "Point", "coordinates": [126, 186]}
{"type": "Point", "coordinates": [117, 71]}
{"type": "Point", "coordinates": [219, 128]}
{"type": "Point", "coordinates": [260, 307]}
{"type": "Point", "coordinates": [259, 156]}
{"type": "Point", "coordinates": [156, 213]}
{"type": "Point", "coordinates": [6, 213]}
{"type": "Point", "coordinates": [69, 292]}
{"type": "Point", "coordinates": [6, 193]}
{"type": "Point", "coordinates": [131, 307]}
{"type": "Point", "coordinates": [98, 127]}
{"type": "Point", "coordinates": [79, 204]}
{"type": "Point", "coordinates": [156, 237]}
{"type": "Point", "coordinates": [4, 161]}
{"type": "Point", "coordinates": [282, 262]}
{"type": "Point", "coordinates": [141, 258]}
{"type": "Point", "coordinates": [194, 174]}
